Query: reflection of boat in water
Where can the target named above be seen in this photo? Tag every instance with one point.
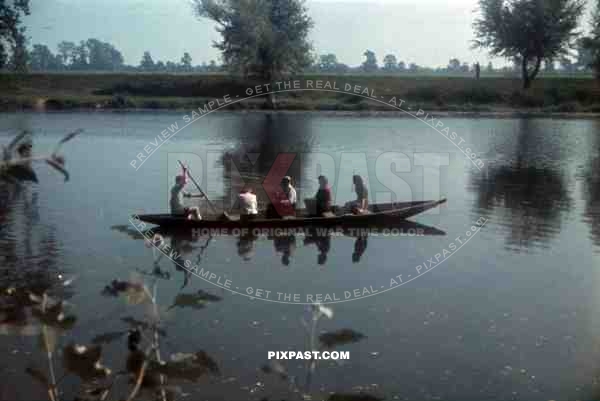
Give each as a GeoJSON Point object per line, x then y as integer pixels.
{"type": "Point", "coordinates": [379, 214]}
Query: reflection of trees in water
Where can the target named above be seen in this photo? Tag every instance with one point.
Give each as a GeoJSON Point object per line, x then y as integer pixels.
{"type": "Point", "coordinates": [261, 138]}
{"type": "Point", "coordinates": [29, 250]}
{"type": "Point", "coordinates": [528, 189]}
{"type": "Point", "coordinates": [592, 187]}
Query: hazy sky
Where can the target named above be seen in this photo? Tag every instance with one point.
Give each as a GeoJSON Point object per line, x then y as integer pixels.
{"type": "Point", "coordinates": [427, 32]}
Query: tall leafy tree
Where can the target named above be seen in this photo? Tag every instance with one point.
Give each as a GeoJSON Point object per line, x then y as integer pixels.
{"type": "Point", "coordinates": [147, 63]}
{"type": "Point", "coordinates": [80, 56]}
{"type": "Point", "coordinates": [186, 62]}
{"type": "Point", "coordinates": [12, 33]}
{"type": "Point", "coordinates": [19, 58]}
{"type": "Point", "coordinates": [42, 59]}
{"type": "Point", "coordinates": [101, 55]}
{"type": "Point", "coordinates": [370, 64]}
{"type": "Point", "coordinates": [532, 30]}
{"type": "Point", "coordinates": [454, 65]}
{"type": "Point", "coordinates": [328, 62]}
{"type": "Point", "coordinates": [66, 52]}
{"type": "Point", "coordinates": [591, 43]}
{"type": "Point", "coordinates": [263, 38]}
{"type": "Point", "coordinates": [390, 63]}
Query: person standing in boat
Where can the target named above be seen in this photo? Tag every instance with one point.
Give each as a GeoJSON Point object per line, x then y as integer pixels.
{"type": "Point", "coordinates": [176, 201]}
{"type": "Point", "coordinates": [323, 197]}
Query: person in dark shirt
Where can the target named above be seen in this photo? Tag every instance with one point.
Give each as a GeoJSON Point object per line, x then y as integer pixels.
{"type": "Point", "coordinates": [323, 197]}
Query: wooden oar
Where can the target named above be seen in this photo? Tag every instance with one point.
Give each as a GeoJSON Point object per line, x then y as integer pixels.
{"type": "Point", "coordinates": [198, 186]}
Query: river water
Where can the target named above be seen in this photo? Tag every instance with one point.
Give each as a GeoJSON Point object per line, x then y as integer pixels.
{"type": "Point", "coordinates": [504, 305]}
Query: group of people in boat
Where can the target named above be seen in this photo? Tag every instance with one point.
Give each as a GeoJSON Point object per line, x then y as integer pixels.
{"type": "Point", "coordinates": [283, 200]}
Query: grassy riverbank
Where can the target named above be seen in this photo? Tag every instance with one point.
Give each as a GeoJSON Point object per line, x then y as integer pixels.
{"type": "Point", "coordinates": [166, 91]}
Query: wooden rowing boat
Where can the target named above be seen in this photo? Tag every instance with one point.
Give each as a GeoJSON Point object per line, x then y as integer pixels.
{"type": "Point", "coordinates": [379, 214]}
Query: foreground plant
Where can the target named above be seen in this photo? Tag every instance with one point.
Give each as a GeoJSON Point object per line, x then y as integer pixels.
{"type": "Point", "coordinates": [17, 158]}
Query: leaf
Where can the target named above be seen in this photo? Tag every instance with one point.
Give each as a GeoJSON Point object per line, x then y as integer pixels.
{"type": "Point", "coordinates": [54, 316]}
{"type": "Point", "coordinates": [58, 166]}
{"type": "Point", "coordinates": [134, 324]}
{"type": "Point", "coordinates": [134, 292]}
{"type": "Point", "coordinates": [108, 337]}
{"type": "Point", "coordinates": [277, 368]}
{"type": "Point", "coordinates": [84, 361]}
{"type": "Point", "coordinates": [21, 172]}
{"type": "Point", "coordinates": [190, 367]}
{"type": "Point", "coordinates": [38, 375]}
{"type": "Point", "coordinates": [70, 136]}
{"type": "Point", "coordinates": [340, 337]}
{"type": "Point", "coordinates": [196, 300]}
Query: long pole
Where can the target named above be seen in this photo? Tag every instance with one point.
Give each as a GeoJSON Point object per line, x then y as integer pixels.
{"type": "Point", "coordinates": [189, 173]}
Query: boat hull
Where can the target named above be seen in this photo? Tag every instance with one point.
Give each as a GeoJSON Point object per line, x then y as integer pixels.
{"type": "Point", "coordinates": [380, 215]}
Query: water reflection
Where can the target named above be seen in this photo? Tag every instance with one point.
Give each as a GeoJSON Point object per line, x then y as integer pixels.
{"type": "Point", "coordinates": [189, 247]}
{"type": "Point", "coordinates": [592, 186]}
{"type": "Point", "coordinates": [526, 190]}
{"type": "Point", "coordinates": [271, 144]}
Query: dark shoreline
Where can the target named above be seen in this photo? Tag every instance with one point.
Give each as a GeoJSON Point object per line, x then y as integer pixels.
{"type": "Point", "coordinates": [491, 97]}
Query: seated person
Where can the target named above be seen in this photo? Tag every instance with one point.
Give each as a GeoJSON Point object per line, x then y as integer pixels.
{"type": "Point", "coordinates": [284, 204]}
{"type": "Point", "coordinates": [323, 198]}
{"type": "Point", "coordinates": [248, 203]}
{"type": "Point", "coordinates": [176, 201]}
{"type": "Point", "coordinates": [361, 204]}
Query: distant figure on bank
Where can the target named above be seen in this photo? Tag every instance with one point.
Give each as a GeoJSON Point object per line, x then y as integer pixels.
{"type": "Point", "coordinates": [176, 202]}
{"type": "Point", "coordinates": [323, 197]}
{"type": "Point", "coordinates": [477, 70]}
{"type": "Point", "coordinates": [248, 203]}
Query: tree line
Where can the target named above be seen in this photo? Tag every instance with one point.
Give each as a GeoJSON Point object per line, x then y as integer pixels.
{"type": "Point", "coordinates": [268, 39]}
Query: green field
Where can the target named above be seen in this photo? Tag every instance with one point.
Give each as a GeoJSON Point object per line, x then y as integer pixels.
{"type": "Point", "coordinates": [174, 91]}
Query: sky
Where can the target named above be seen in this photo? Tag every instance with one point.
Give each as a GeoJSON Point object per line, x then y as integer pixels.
{"type": "Point", "coordinates": [426, 32]}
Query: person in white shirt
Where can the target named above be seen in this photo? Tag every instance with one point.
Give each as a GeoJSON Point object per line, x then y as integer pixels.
{"type": "Point", "coordinates": [248, 202]}
{"type": "Point", "coordinates": [289, 190]}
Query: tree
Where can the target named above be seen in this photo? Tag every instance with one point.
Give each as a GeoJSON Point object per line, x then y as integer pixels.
{"type": "Point", "coordinates": [186, 62]}
{"type": "Point", "coordinates": [80, 56]}
{"type": "Point", "coordinates": [413, 67]}
{"type": "Point", "coordinates": [66, 52]}
{"type": "Point", "coordinates": [327, 62]}
{"type": "Point", "coordinates": [454, 65]}
{"type": "Point", "coordinates": [42, 59]}
{"type": "Point", "coordinates": [402, 66]}
{"type": "Point", "coordinates": [266, 38]}
{"type": "Point", "coordinates": [549, 65]}
{"type": "Point", "coordinates": [464, 67]}
{"type": "Point", "coordinates": [170, 66]}
{"type": "Point", "coordinates": [591, 43]}
{"type": "Point", "coordinates": [147, 64]}
{"type": "Point", "coordinates": [103, 56]}
{"type": "Point", "coordinates": [19, 55]}
{"type": "Point", "coordinates": [390, 63]}
{"type": "Point", "coordinates": [12, 34]}
{"type": "Point", "coordinates": [370, 64]}
{"type": "Point", "coordinates": [490, 67]}
{"type": "Point", "coordinates": [533, 30]}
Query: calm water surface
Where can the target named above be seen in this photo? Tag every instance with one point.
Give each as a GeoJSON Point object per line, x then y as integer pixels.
{"type": "Point", "coordinates": [515, 314]}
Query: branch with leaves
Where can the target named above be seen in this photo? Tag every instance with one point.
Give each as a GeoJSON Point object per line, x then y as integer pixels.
{"type": "Point", "coordinates": [17, 158]}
